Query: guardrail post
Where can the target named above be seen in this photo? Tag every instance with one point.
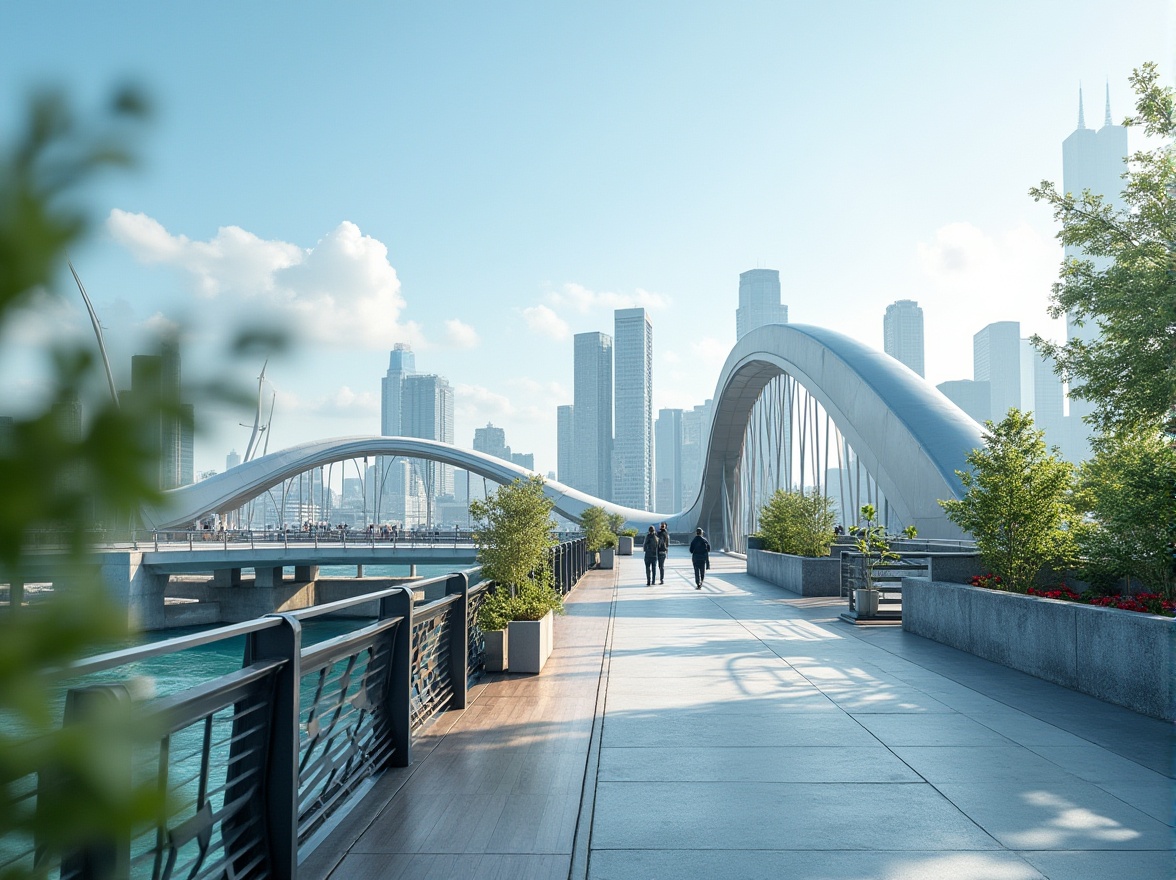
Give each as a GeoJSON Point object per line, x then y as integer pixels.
{"type": "Point", "coordinates": [398, 704]}
{"type": "Point", "coordinates": [459, 638]}
{"type": "Point", "coordinates": [279, 808]}
{"type": "Point", "coordinates": [110, 858]}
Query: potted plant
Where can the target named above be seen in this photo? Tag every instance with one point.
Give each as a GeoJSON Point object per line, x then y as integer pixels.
{"type": "Point", "coordinates": [607, 550]}
{"type": "Point", "coordinates": [873, 543]}
{"type": "Point", "coordinates": [514, 535]}
{"type": "Point", "coordinates": [599, 535]}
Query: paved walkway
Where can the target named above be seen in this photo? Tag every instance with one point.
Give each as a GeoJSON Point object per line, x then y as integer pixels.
{"type": "Point", "coordinates": [737, 731]}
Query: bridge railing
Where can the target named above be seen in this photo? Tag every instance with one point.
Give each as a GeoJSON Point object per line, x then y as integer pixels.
{"type": "Point", "coordinates": [257, 760]}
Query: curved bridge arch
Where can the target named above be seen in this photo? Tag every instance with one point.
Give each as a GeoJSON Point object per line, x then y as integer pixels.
{"type": "Point", "coordinates": [907, 435]}
{"type": "Point", "coordinates": [233, 489]}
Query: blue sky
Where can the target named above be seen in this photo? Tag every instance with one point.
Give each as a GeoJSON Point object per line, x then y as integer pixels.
{"type": "Point", "coordinates": [482, 180]}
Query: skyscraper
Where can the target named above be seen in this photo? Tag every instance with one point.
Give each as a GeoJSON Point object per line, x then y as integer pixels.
{"type": "Point", "coordinates": [401, 363]}
{"type": "Point", "coordinates": [427, 412]}
{"type": "Point", "coordinates": [633, 446]}
{"type": "Point", "coordinates": [668, 461]}
{"type": "Point", "coordinates": [565, 443]}
{"type": "Point", "coordinates": [996, 359]}
{"type": "Point", "coordinates": [695, 436]}
{"type": "Point", "coordinates": [393, 486]}
{"type": "Point", "coordinates": [492, 441]}
{"type": "Point", "coordinates": [1091, 160]}
{"type": "Point", "coordinates": [759, 301]}
{"type": "Point", "coordinates": [969, 395]}
{"type": "Point", "coordinates": [902, 333]}
{"type": "Point", "coordinates": [593, 402]}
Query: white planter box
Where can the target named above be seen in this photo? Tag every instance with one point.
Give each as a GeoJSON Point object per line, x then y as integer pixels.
{"type": "Point", "coordinates": [608, 557]}
{"type": "Point", "coordinates": [531, 642]}
{"type": "Point", "coordinates": [625, 545]}
{"type": "Point", "coordinates": [497, 656]}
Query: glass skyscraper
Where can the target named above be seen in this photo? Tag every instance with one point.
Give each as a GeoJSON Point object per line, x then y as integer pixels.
{"type": "Point", "coordinates": [902, 333]}
{"type": "Point", "coordinates": [593, 413]}
{"type": "Point", "coordinates": [633, 446]}
{"type": "Point", "coordinates": [759, 301]}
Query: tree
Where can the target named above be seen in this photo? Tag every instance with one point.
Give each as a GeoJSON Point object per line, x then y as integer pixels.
{"type": "Point", "coordinates": [1018, 503]}
{"type": "Point", "coordinates": [1129, 372]}
{"type": "Point", "coordinates": [598, 531]}
{"type": "Point", "coordinates": [514, 535]}
{"type": "Point", "coordinates": [52, 480]}
{"type": "Point", "coordinates": [800, 523]}
{"type": "Point", "coordinates": [1129, 490]}
{"type": "Point", "coordinates": [873, 543]}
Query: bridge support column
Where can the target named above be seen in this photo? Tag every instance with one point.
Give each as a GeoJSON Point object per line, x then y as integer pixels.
{"type": "Point", "coordinates": [267, 576]}
{"type": "Point", "coordinates": [138, 588]}
{"type": "Point", "coordinates": [224, 578]}
{"type": "Point", "coordinates": [306, 573]}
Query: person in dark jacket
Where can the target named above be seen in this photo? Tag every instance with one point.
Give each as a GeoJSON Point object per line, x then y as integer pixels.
{"type": "Point", "coordinates": [649, 545]}
{"type": "Point", "coordinates": [663, 547]}
{"type": "Point", "coordinates": [700, 556]}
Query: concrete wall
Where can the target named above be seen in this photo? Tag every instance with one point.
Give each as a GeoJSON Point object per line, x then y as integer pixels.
{"type": "Point", "coordinates": [1119, 656]}
{"type": "Point", "coordinates": [246, 600]}
{"type": "Point", "coordinates": [803, 575]}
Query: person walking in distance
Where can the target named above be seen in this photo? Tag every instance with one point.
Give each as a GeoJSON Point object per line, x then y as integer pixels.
{"type": "Point", "coordinates": [663, 547]}
{"type": "Point", "coordinates": [700, 556]}
{"type": "Point", "coordinates": [649, 545]}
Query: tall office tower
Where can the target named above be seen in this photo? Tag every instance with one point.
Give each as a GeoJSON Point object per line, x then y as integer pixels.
{"type": "Point", "coordinates": [695, 437]}
{"type": "Point", "coordinates": [668, 462]}
{"type": "Point", "coordinates": [633, 446]}
{"type": "Point", "coordinates": [492, 441]}
{"type": "Point", "coordinates": [427, 412]}
{"type": "Point", "coordinates": [996, 359]}
{"type": "Point", "coordinates": [1041, 394]}
{"type": "Point", "coordinates": [759, 301]}
{"type": "Point", "coordinates": [973, 397]}
{"type": "Point", "coordinates": [1091, 160]}
{"type": "Point", "coordinates": [565, 443]}
{"type": "Point", "coordinates": [171, 440]}
{"type": "Point", "coordinates": [187, 444]}
{"type": "Point", "coordinates": [147, 390]}
{"type": "Point", "coordinates": [593, 403]}
{"type": "Point", "coordinates": [902, 333]}
{"type": "Point", "coordinates": [394, 486]}
{"type": "Point", "coordinates": [67, 417]}
{"type": "Point", "coordinates": [232, 459]}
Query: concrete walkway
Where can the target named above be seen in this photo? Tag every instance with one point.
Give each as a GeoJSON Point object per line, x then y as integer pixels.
{"type": "Point", "coordinates": [738, 731]}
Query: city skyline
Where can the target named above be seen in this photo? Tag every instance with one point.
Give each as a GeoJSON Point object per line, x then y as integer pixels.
{"type": "Point", "coordinates": [626, 176]}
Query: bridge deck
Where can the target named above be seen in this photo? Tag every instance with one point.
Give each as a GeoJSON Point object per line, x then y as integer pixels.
{"type": "Point", "coordinates": [736, 732]}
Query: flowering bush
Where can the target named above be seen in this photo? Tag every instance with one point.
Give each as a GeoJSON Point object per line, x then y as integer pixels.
{"type": "Point", "coordinates": [988, 581]}
{"type": "Point", "coordinates": [1146, 603]}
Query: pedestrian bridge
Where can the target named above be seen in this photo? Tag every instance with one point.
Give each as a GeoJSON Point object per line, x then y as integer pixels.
{"type": "Point", "coordinates": [896, 441]}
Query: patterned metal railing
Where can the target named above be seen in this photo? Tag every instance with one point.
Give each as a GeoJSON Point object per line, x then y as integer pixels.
{"type": "Point", "coordinates": [257, 761]}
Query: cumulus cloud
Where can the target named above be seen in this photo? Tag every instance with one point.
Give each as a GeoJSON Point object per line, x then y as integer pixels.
{"type": "Point", "coordinates": [460, 335]}
{"type": "Point", "coordinates": [581, 299]}
{"type": "Point", "coordinates": [343, 402]}
{"type": "Point", "coordinates": [543, 321]}
{"type": "Point", "coordinates": [340, 293]}
{"type": "Point", "coordinates": [477, 405]}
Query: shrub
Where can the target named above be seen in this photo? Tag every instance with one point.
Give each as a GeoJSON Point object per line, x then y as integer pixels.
{"type": "Point", "coordinates": [800, 523]}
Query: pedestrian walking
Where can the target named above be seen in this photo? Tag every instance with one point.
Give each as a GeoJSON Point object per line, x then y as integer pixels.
{"type": "Point", "coordinates": [649, 545]}
{"type": "Point", "coordinates": [663, 548]}
{"type": "Point", "coordinates": [700, 556]}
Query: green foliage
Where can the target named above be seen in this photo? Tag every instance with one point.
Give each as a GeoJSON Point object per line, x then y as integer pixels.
{"type": "Point", "coordinates": [53, 481]}
{"type": "Point", "coordinates": [872, 542]}
{"type": "Point", "coordinates": [1130, 371]}
{"type": "Point", "coordinates": [910, 533]}
{"type": "Point", "coordinates": [1129, 491]}
{"type": "Point", "coordinates": [800, 523]}
{"type": "Point", "coordinates": [1018, 503]}
{"type": "Point", "coordinates": [514, 536]}
{"type": "Point", "coordinates": [616, 523]}
{"type": "Point", "coordinates": [597, 529]}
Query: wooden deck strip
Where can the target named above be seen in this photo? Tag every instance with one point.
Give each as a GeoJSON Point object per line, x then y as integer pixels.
{"type": "Point", "coordinates": [494, 790]}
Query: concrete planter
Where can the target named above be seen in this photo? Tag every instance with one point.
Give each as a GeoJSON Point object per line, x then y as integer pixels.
{"type": "Point", "coordinates": [865, 603]}
{"type": "Point", "coordinates": [531, 642]}
{"type": "Point", "coordinates": [625, 545]}
{"type": "Point", "coordinates": [1122, 657]}
{"type": "Point", "coordinates": [607, 557]}
{"type": "Point", "coordinates": [803, 575]}
{"type": "Point", "coordinates": [497, 655]}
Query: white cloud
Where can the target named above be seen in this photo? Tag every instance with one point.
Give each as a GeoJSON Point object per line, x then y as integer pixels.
{"type": "Point", "coordinates": [671, 357]}
{"type": "Point", "coordinates": [460, 335]}
{"type": "Point", "coordinates": [710, 352]}
{"type": "Point", "coordinates": [341, 293]}
{"type": "Point", "coordinates": [583, 300]}
{"type": "Point", "coordinates": [343, 402]}
{"type": "Point", "coordinates": [545, 322]}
